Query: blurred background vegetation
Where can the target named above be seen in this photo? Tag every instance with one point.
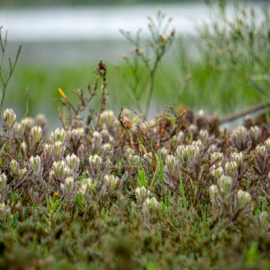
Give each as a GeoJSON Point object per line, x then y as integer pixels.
{"type": "Point", "coordinates": [23, 3]}
{"type": "Point", "coordinates": [214, 68]}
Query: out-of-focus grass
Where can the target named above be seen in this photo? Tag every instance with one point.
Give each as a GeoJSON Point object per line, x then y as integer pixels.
{"type": "Point", "coordinates": [225, 69]}
{"type": "Point", "coordinates": [205, 87]}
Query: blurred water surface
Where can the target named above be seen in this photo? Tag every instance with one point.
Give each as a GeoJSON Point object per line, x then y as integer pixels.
{"type": "Point", "coordinates": [64, 35]}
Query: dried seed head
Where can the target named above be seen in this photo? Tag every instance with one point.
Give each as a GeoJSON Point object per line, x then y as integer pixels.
{"type": "Point", "coordinates": [9, 118]}
{"type": "Point", "coordinates": [41, 120]}
{"type": "Point", "coordinates": [125, 56]}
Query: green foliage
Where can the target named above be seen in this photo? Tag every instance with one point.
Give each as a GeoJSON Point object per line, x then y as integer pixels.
{"type": "Point", "coordinates": [196, 196]}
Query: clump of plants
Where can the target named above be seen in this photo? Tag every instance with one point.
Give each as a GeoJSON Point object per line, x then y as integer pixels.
{"type": "Point", "coordinates": [172, 186]}
{"type": "Point", "coordinates": [117, 191]}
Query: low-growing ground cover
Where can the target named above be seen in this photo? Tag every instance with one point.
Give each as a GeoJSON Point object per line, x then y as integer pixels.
{"type": "Point", "coordinates": [117, 192]}
{"type": "Point", "coordinates": [113, 190]}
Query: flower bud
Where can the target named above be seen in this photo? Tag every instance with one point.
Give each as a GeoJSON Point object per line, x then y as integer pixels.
{"type": "Point", "coordinates": [224, 183]}
{"type": "Point", "coordinates": [264, 220]}
{"type": "Point", "coordinates": [9, 118]}
{"type": "Point", "coordinates": [41, 120]}
{"type": "Point", "coordinates": [34, 136]}
{"type": "Point", "coordinates": [216, 172]}
{"type": "Point", "coordinates": [58, 150]}
{"type": "Point", "coordinates": [23, 146]}
{"type": "Point", "coordinates": [243, 198]}
{"type": "Point", "coordinates": [22, 172]}
{"type": "Point", "coordinates": [106, 137]}
{"type": "Point", "coordinates": [241, 133]}
{"type": "Point", "coordinates": [216, 156]}
{"type": "Point", "coordinates": [3, 182]}
{"type": "Point", "coordinates": [150, 204]}
{"type": "Point", "coordinates": [73, 162]}
{"type": "Point", "coordinates": [59, 135]}
{"type": "Point", "coordinates": [200, 114]}
{"type": "Point", "coordinates": [204, 134]}
{"type": "Point", "coordinates": [238, 158]}
{"type": "Point", "coordinates": [107, 118]}
{"type": "Point", "coordinates": [171, 163]}
{"type": "Point", "coordinates": [83, 188]}
{"type": "Point", "coordinates": [36, 164]}
{"type": "Point", "coordinates": [180, 137]}
{"type": "Point", "coordinates": [181, 151]}
{"type": "Point", "coordinates": [14, 166]}
{"type": "Point", "coordinates": [5, 214]}
{"type": "Point", "coordinates": [231, 167]}
{"type": "Point", "coordinates": [47, 149]}
{"type": "Point", "coordinates": [68, 187]}
{"type": "Point", "coordinates": [111, 181]}
{"type": "Point", "coordinates": [27, 123]}
{"type": "Point", "coordinates": [97, 139]}
{"type": "Point", "coordinates": [267, 144]}
{"type": "Point", "coordinates": [97, 161]}
{"type": "Point", "coordinates": [256, 132]}
{"type": "Point", "coordinates": [58, 168]}
{"type": "Point", "coordinates": [106, 147]}
{"type": "Point", "coordinates": [141, 193]}
{"type": "Point", "coordinates": [261, 150]}
{"type": "Point", "coordinates": [51, 175]}
{"type": "Point", "coordinates": [213, 191]}
{"type": "Point", "coordinates": [192, 151]}
{"type": "Point", "coordinates": [77, 134]}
